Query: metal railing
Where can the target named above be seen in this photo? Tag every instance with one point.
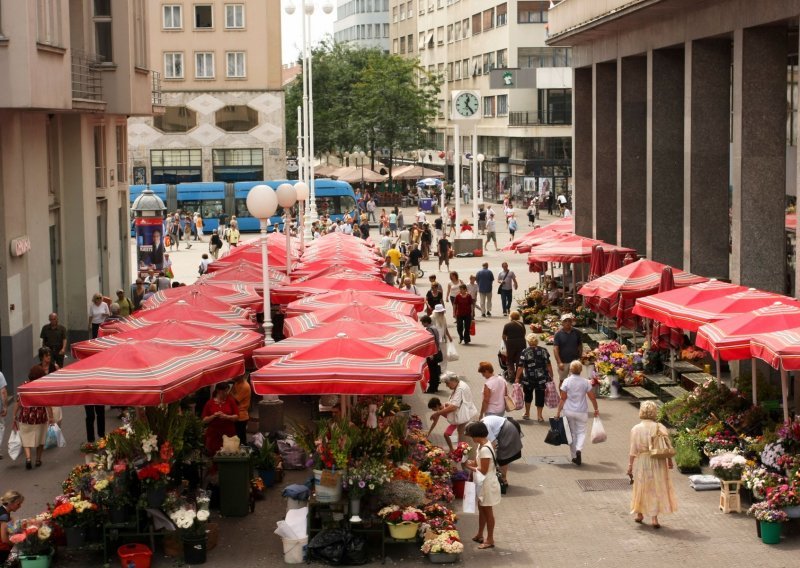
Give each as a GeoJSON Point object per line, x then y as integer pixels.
{"type": "Point", "coordinates": [157, 94]}
{"type": "Point", "coordinates": [86, 82]}
{"type": "Point", "coordinates": [540, 117]}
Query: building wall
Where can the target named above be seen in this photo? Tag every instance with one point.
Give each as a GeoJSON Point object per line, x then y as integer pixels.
{"type": "Point", "coordinates": [358, 21]}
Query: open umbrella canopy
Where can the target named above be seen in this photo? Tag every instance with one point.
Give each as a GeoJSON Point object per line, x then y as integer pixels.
{"type": "Point", "coordinates": [136, 373]}
{"type": "Point", "coordinates": [344, 366]}
{"type": "Point", "coordinates": [180, 311]}
{"type": "Point", "coordinates": [673, 308]}
{"type": "Point", "coordinates": [236, 294]}
{"type": "Point", "coordinates": [245, 272]}
{"type": "Point", "coordinates": [324, 170]}
{"type": "Point", "coordinates": [597, 264]}
{"type": "Point", "coordinates": [731, 305]}
{"type": "Point", "coordinates": [415, 172]}
{"type": "Point", "coordinates": [331, 266]}
{"type": "Point", "coordinates": [415, 341]}
{"type": "Point", "coordinates": [664, 336]}
{"type": "Point", "coordinates": [566, 225]}
{"type": "Point", "coordinates": [729, 339]}
{"type": "Point", "coordinates": [349, 297]}
{"type": "Point", "coordinates": [176, 333]}
{"type": "Point", "coordinates": [571, 249]}
{"type": "Point", "coordinates": [639, 278]}
{"type": "Point", "coordinates": [304, 322]}
{"type": "Point", "coordinates": [206, 303]}
{"type": "Point", "coordinates": [353, 174]}
{"type": "Point", "coordinates": [276, 258]}
{"type": "Point", "coordinates": [544, 237]}
{"type": "Point", "coordinates": [781, 349]}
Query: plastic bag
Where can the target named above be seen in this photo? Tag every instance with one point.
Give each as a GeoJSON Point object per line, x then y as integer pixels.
{"type": "Point", "coordinates": [452, 353]}
{"type": "Point", "coordinates": [518, 396]}
{"type": "Point", "coordinates": [60, 439]}
{"type": "Point", "coordinates": [551, 396]}
{"type": "Point", "coordinates": [14, 444]}
{"type": "Point", "coordinates": [328, 546]}
{"type": "Point", "coordinates": [557, 434]}
{"type": "Point", "coordinates": [470, 499]}
{"type": "Point", "coordinates": [598, 431]}
{"type": "Point", "coordinates": [51, 440]}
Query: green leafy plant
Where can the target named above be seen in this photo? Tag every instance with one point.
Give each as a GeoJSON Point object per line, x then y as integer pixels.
{"type": "Point", "coordinates": [265, 459]}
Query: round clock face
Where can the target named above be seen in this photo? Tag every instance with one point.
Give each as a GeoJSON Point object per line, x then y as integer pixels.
{"type": "Point", "coordinates": [466, 104]}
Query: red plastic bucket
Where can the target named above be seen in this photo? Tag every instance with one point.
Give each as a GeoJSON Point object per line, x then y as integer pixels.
{"type": "Point", "coordinates": [134, 556]}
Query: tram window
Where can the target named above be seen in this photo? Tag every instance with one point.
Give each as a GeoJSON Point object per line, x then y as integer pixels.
{"type": "Point", "coordinates": [188, 206]}
{"type": "Point", "coordinates": [346, 204]}
{"type": "Point", "coordinates": [211, 208]}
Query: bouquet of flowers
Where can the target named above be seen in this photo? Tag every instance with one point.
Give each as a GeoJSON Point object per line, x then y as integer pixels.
{"type": "Point", "coordinates": [765, 512]}
{"type": "Point", "coordinates": [789, 434]}
{"type": "Point", "coordinates": [412, 473]}
{"type": "Point", "coordinates": [72, 511]}
{"type": "Point", "coordinates": [440, 491]}
{"type": "Point", "coordinates": [438, 463]}
{"type": "Point", "coordinates": [722, 441]}
{"type": "Point", "coordinates": [31, 536]}
{"type": "Point", "coordinates": [446, 542]}
{"type": "Point", "coordinates": [611, 358]}
{"type": "Point", "coordinates": [366, 476]}
{"type": "Point", "coordinates": [728, 466]}
{"type": "Point", "coordinates": [459, 453]}
{"type": "Point", "coordinates": [189, 520]}
{"type": "Point", "coordinates": [394, 515]}
{"type": "Point", "coordinates": [759, 479]}
{"type": "Point", "coordinates": [783, 495]}
{"type": "Point", "coordinates": [772, 454]}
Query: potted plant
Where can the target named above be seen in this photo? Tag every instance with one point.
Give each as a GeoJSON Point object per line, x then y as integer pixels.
{"type": "Point", "coordinates": [728, 466]}
{"type": "Point", "coordinates": [74, 515]}
{"type": "Point", "coordinates": [687, 454]}
{"type": "Point", "coordinates": [444, 547]}
{"type": "Point", "coordinates": [403, 522]}
{"type": "Point", "coordinates": [769, 519]}
{"type": "Point", "coordinates": [786, 497]}
{"type": "Point", "coordinates": [33, 542]}
{"type": "Point", "coordinates": [265, 461]}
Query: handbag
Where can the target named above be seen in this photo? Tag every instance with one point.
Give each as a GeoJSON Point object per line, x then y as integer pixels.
{"type": "Point", "coordinates": [510, 403]}
{"type": "Point", "coordinates": [598, 431]}
{"type": "Point", "coordinates": [557, 435]}
{"type": "Point", "coordinates": [500, 477]}
{"type": "Point", "coordinates": [551, 397]}
{"type": "Point", "coordinates": [503, 281]}
{"type": "Point", "coordinates": [518, 396]}
{"type": "Point", "coordinates": [472, 327]}
{"type": "Point", "coordinates": [660, 445]}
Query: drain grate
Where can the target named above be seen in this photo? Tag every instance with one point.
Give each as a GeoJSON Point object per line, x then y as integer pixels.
{"type": "Point", "coordinates": [551, 460]}
{"type": "Point", "coordinates": [603, 484]}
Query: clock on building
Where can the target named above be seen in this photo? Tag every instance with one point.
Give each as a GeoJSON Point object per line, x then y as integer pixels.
{"type": "Point", "coordinates": [466, 105]}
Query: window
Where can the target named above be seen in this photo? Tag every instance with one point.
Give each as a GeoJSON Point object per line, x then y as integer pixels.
{"type": "Point", "coordinates": [457, 31]}
{"type": "Point", "coordinates": [122, 153]}
{"type": "Point", "coordinates": [535, 57]}
{"type": "Point", "coordinates": [176, 166]}
{"type": "Point", "coordinates": [238, 118]}
{"type": "Point", "coordinates": [403, 44]}
{"type": "Point", "coordinates": [402, 12]}
{"type": "Point", "coordinates": [385, 29]}
{"type": "Point", "coordinates": [175, 119]}
{"type": "Point", "coordinates": [457, 70]}
{"type": "Point", "coordinates": [555, 106]}
{"type": "Point", "coordinates": [464, 28]}
{"type": "Point", "coordinates": [449, 71]}
{"type": "Point", "coordinates": [99, 156]}
{"type": "Point", "coordinates": [488, 106]}
{"type": "Point", "coordinates": [502, 58]}
{"type": "Point", "coordinates": [53, 162]}
{"type": "Point", "coordinates": [450, 33]}
{"type": "Point", "coordinates": [234, 16]}
{"type": "Point", "coordinates": [410, 10]}
{"type": "Point", "coordinates": [532, 12]}
{"type": "Point", "coordinates": [421, 44]}
{"type": "Point", "coordinates": [140, 43]}
{"type": "Point", "coordinates": [239, 164]}
{"type": "Point", "coordinates": [488, 19]}
{"type": "Point", "coordinates": [395, 43]}
{"type": "Point", "coordinates": [502, 105]}
{"type": "Point", "coordinates": [173, 17]}
{"type": "Point", "coordinates": [488, 62]}
{"type": "Point", "coordinates": [440, 35]}
{"type": "Point", "coordinates": [465, 68]}
{"type": "Point", "coordinates": [173, 65]}
{"type": "Point", "coordinates": [103, 44]}
{"type": "Point", "coordinates": [430, 39]}
{"type": "Point", "coordinates": [502, 15]}
{"type": "Point", "coordinates": [203, 17]}
{"type": "Point", "coordinates": [204, 65]}
{"type": "Point", "coordinates": [394, 15]}
{"type": "Point", "coordinates": [476, 24]}
{"type": "Point", "coordinates": [477, 69]}
{"type": "Point", "coordinates": [236, 65]}
{"type": "Point", "coordinates": [410, 40]}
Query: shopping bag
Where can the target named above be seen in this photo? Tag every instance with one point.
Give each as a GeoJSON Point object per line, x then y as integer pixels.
{"type": "Point", "coordinates": [62, 441]}
{"type": "Point", "coordinates": [510, 404]}
{"type": "Point", "coordinates": [2, 429]}
{"type": "Point", "coordinates": [14, 444]}
{"type": "Point", "coordinates": [51, 440]}
{"type": "Point", "coordinates": [551, 397]}
{"type": "Point", "coordinates": [598, 432]}
{"type": "Point", "coordinates": [557, 434]}
{"type": "Point", "coordinates": [452, 354]}
{"type": "Point", "coordinates": [518, 396]}
{"type": "Point", "coordinates": [472, 327]}
{"type": "Point", "coordinates": [470, 498]}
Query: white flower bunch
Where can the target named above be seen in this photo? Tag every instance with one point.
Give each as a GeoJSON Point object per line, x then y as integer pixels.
{"type": "Point", "coordinates": [771, 454]}
{"type": "Point", "coordinates": [183, 517]}
{"type": "Point", "coordinates": [150, 444]}
{"type": "Point", "coordinates": [727, 460]}
{"type": "Point", "coordinates": [202, 515]}
{"type": "Point", "coordinates": [44, 532]}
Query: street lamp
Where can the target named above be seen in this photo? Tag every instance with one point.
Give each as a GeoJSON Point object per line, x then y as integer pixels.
{"type": "Point", "coordinates": [287, 197]}
{"type": "Point", "coordinates": [301, 189]}
{"type": "Point", "coordinates": [480, 158]}
{"type": "Point", "coordinates": [262, 204]}
{"type": "Point", "coordinates": [362, 158]}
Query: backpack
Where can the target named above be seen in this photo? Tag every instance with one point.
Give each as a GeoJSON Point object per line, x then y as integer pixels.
{"type": "Point", "coordinates": [534, 362]}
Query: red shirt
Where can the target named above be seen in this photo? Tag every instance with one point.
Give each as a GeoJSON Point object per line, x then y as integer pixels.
{"type": "Point", "coordinates": [463, 305]}
{"type": "Point", "coordinates": [217, 427]}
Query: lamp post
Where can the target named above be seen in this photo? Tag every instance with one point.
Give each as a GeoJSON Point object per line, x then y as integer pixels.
{"type": "Point", "coordinates": [361, 160]}
{"type": "Point", "coordinates": [262, 204]}
{"type": "Point", "coordinates": [301, 189]}
{"type": "Point", "coordinates": [480, 158]}
{"type": "Point", "coordinates": [287, 197]}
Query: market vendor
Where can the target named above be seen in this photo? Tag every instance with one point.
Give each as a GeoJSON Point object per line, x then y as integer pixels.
{"type": "Point", "coordinates": [220, 415]}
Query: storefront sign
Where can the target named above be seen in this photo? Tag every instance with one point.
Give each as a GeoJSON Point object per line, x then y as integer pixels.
{"type": "Point", "coordinates": [20, 245]}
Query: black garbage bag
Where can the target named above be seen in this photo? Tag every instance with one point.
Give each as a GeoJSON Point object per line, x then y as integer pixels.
{"type": "Point", "coordinates": [557, 435]}
{"type": "Point", "coordinates": [328, 546]}
{"type": "Point", "coordinates": [356, 550]}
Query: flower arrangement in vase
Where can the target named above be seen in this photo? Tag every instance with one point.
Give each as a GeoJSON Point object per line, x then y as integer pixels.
{"type": "Point", "coordinates": [459, 453]}
{"type": "Point", "coordinates": [366, 476]}
{"type": "Point", "coordinates": [395, 515]}
{"type": "Point", "coordinates": [69, 512]}
{"type": "Point", "coordinates": [760, 479]}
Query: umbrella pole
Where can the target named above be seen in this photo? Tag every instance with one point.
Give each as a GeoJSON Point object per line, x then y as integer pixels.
{"type": "Point", "coordinates": [719, 372]}
{"type": "Point", "coordinates": [785, 393]}
{"type": "Point", "coordinates": [574, 290]}
{"type": "Point", "coordinates": [672, 363]}
{"type": "Point", "coordinates": [753, 379]}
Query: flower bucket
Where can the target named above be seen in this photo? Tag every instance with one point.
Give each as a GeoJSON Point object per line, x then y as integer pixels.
{"type": "Point", "coordinates": [267, 476]}
{"type": "Point", "coordinates": [36, 560]}
{"type": "Point", "coordinates": [443, 557]}
{"type": "Point", "coordinates": [404, 531]}
{"type": "Point", "coordinates": [156, 496]}
{"type": "Point", "coordinates": [770, 532]}
{"type": "Point", "coordinates": [134, 554]}
{"type": "Point", "coordinates": [294, 550]}
{"type": "Point", "coordinates": [613, 390]}
{"type": "Point", "coordinates": [76, 536]}
{"type": "Point", "coordinates": [793, 512]}
{"type": "Point", "coordinates": [458, 488]}
{"type": "Point", "coordinates": [327, 485]}
{"type": "Point", "coordinates": [194, 549]}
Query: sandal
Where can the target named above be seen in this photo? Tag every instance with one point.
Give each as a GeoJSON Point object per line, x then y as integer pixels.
{"type": "Point", "coordinates": [484, 546]}
{"type": "Point", "coordinates": [28, 464]}
{"type": "Point", "coordinates": [478, 539]}
{"type": "Point", "coordinates": [639, 519]}
{"type": "Point", "coordinates": [38, 463]}
{"type": "Point", "coordinates": [526, 417]}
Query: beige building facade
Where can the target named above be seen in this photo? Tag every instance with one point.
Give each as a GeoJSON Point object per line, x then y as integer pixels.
{"type": "Point", "coordinates": [72, 72]}
{"type": "Point", "coordinates": [220, 63]}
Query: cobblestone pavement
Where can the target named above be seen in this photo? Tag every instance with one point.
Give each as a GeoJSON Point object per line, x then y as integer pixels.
{"type": "Point", "coordinates": [546, 520]}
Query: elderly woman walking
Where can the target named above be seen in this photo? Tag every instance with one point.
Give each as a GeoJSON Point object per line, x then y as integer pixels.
{"type": "Point", "coordinates": [652, 486]}
{"type": "Point", "coordinates": [534, 371]}
{"type": "Point", "coordinates": [574, 391]}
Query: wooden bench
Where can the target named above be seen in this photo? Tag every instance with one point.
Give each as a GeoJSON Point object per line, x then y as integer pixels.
{"type": "Point", "coordinates": [597, 337]}
{"type": "Point", "coordinates": [692, 380]}
{"type": "Point", "coordinates": [639, 393]}
{"type": "Point", "coordinates": [659, 381]}
{"type": "Point", "coordinates": [682, 367]}
{"type": "Point", "coordinates": [674, 392]}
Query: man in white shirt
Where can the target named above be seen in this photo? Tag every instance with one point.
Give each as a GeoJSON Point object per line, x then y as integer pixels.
{"type": "Point", "coordinates": [386, 243]}
{"type": "Point", "coordinates": [465, 193]}
{"type": "Point", "coordinates": [562, 202]}
{"type": "Point", "coordinates": [347, 228]}
{"type": "Point", "coordinates": [409, 287]}
{"type": "Point", "coordinates": [420, 216]}
{"type": "Point", "coordinates": [490, 213]}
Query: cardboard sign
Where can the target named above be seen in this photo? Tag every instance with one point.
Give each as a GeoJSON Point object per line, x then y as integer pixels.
{"type": "Point", "coordinates": [328, 479]}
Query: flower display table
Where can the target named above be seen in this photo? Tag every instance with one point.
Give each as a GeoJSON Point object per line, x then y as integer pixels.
{"type": "Point", "coordinates": [729, 500]}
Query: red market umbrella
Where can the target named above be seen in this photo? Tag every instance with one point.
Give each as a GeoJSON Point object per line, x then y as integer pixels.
{"type": "Point", "coordinates": [664, 336]}
{"type": "Point", "coordinates": [176, 333]}
{"type": "Point", "coordinates": [316, 268]}
{"type": "Point", "coordinates": [598, 263]}
{"type": "Point", "coordinates": [200, 300]}
{"type": "Point", "coordinates": [546, 236]}
{"type": "Point", "coordinates": [565, 225]}
{"type": "Point", "coordinates": [244, 272]}
{"type": "Point", "coordinates": [137, 373]}
{"type": "Point", "coordinates": [637, 279]}
{"type": "Point", "coordinates": [415, 341]}
{"type": "Point", "coordinates": [342, 366]}
{"type": "Point", "coordinates": [613, 261]}
{"type": "Point", "coordinates": [241, 295]}
{"type": "Point", "coordinates": [781, 349]}
{"type": "Point", "coordinates": [276, 259]}
{"type": "Point", "coordinates": [180, 311]}
{"type": "Point", "coordinates": [730, 305]}
{"type": "Point", "coordinates": [673, 308]}
{"type": "Point", "coordinates": [348, 297]}
{"type": "Point", "coordinates": [304, 322]}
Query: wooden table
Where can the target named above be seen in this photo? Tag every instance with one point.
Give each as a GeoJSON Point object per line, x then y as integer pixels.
{"type": "Point", "coordinates": [674, 392]}
{"type": "Point", "coordinates": [659, 381]}
{"type": "Point", "coordinates": [639, 393]}
{"type": "Point", "coordinates": [681, 367]}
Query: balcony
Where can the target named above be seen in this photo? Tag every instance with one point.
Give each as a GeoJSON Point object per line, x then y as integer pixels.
{"type": "Point", "coordinates": [87, 89]}
{"type": "Point", "coordinates": [559, 117]}
{"type": "Point", "coordinates": [157, 95]}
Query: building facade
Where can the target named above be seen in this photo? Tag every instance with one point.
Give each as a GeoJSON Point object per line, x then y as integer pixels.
{"type": "Point", "coordinates": [362, 23]}
{"type": "Point", "coordinates": [72, 71]}
{"type": "Point", "coordinates": [686, 131]}
{"type": "Point", "coordinates": [220, 64]}
{"type": "Point", "coordinates": [498, 49]}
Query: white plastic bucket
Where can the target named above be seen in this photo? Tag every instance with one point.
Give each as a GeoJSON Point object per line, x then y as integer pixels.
{"type": "Point", "coordinates": [294, 550]}
{"type": "Point", "coordinates": [294, 504]}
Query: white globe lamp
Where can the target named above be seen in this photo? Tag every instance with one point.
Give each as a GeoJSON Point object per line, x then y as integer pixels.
{"type": "Point", "coordinates": [286, 195]}
{"type": "Point", "coordinates": [301, 189]}
{"type": "Point", "coordinates": [290, 8]}
{"type": "Point", "coordinates": [262, 202]}
{"type": "Point", "coordinates": [327, 7]}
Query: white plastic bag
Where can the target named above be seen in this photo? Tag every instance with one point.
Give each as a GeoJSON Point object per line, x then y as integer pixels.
{"type": "Point", "coordinates": [14, 445]}
{"type": "Point", "coordinates": [62, 441]}
{"type": "Point", "coordinates": [598, 432]}
{"type": "Point", "coordinates": [50, 440]}
{"type": "Point", "coordinates": [470, 498]}
{"type": "Point", "coordinates": [452, 354]}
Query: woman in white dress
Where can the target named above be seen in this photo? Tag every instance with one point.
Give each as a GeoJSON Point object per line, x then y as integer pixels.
{"type": "Point", "coordinates": [489, 492]}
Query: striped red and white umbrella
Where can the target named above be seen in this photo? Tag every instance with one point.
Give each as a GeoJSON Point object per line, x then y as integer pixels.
{"type": "Point", "coordinates": [252, 254]}
{"type": "Point", "coordinates": [674, 308]}
{"type": "Point", "coordinates": [199, 300]}
{"type": "Point", "coordinates": [180, 311]}
{"type": "Point", "coordinates": [332, 265]}
{"type": "Point", "coordinates": [178, 333]}
{"type": "Point", "coordinates": [732, 305]}
{"type": "Point", "coordinates": [415, 341]}
{"type": "Point", "coordinates": [244, 272]}
{"type": "Point", "coordinates": [236, 294]}
{"type": "Point", "coordinates": [573, 248]}
{"type": "Point", "coordinates": [729, 339]}
{"type": "Point", "coordinates": [138, 373]}
{"type": "Point", "coordinates": [317, 302]}
{"type": "Point", "coordinates": [637, 279]}
{"type": "Point", "coordinates": [544, 237]}
{"type": "Point", "coordinates": [343, 365]}
{"type": "Point", "coordinates": [781, 349]}
{"type": "Point", "coordinates": [305, 322]}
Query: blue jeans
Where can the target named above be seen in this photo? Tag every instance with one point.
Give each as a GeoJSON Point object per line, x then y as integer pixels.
{"type": "Point", "coordinates": [505, 300]}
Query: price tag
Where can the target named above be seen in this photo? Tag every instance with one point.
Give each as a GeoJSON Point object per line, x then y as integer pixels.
{"type": "Point", "coordinates": [328, 479]}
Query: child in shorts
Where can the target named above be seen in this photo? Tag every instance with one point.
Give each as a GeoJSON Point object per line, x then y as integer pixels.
{"type": "Point", "coordinates": [435, 404]}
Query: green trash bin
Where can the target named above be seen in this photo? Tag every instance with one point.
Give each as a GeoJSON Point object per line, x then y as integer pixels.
{"type": "Point", "coordinates": [235, 473]}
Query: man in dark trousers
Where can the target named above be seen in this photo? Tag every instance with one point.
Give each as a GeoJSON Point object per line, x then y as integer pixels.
{"type": "Point", "coordinates": [567, 346]}
{"type": "Point", "coordinates": [54, 337]}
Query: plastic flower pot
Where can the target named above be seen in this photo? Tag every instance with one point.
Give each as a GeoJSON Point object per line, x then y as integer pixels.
{"type": "Point", "coordinates": [443, 557]}
{"type": "Point", "coordinates": [36, 560]}
{"type": "Point", "coordinates": [267, 476]}
{"type": "Point", "coordinates": [404, 531]}
{"type": "Point", "coordinates": [194, 549]}
{"type": "Point", "coordinates": [458, 488]}
{"type": "Point", "coordinates": [770, 532]}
